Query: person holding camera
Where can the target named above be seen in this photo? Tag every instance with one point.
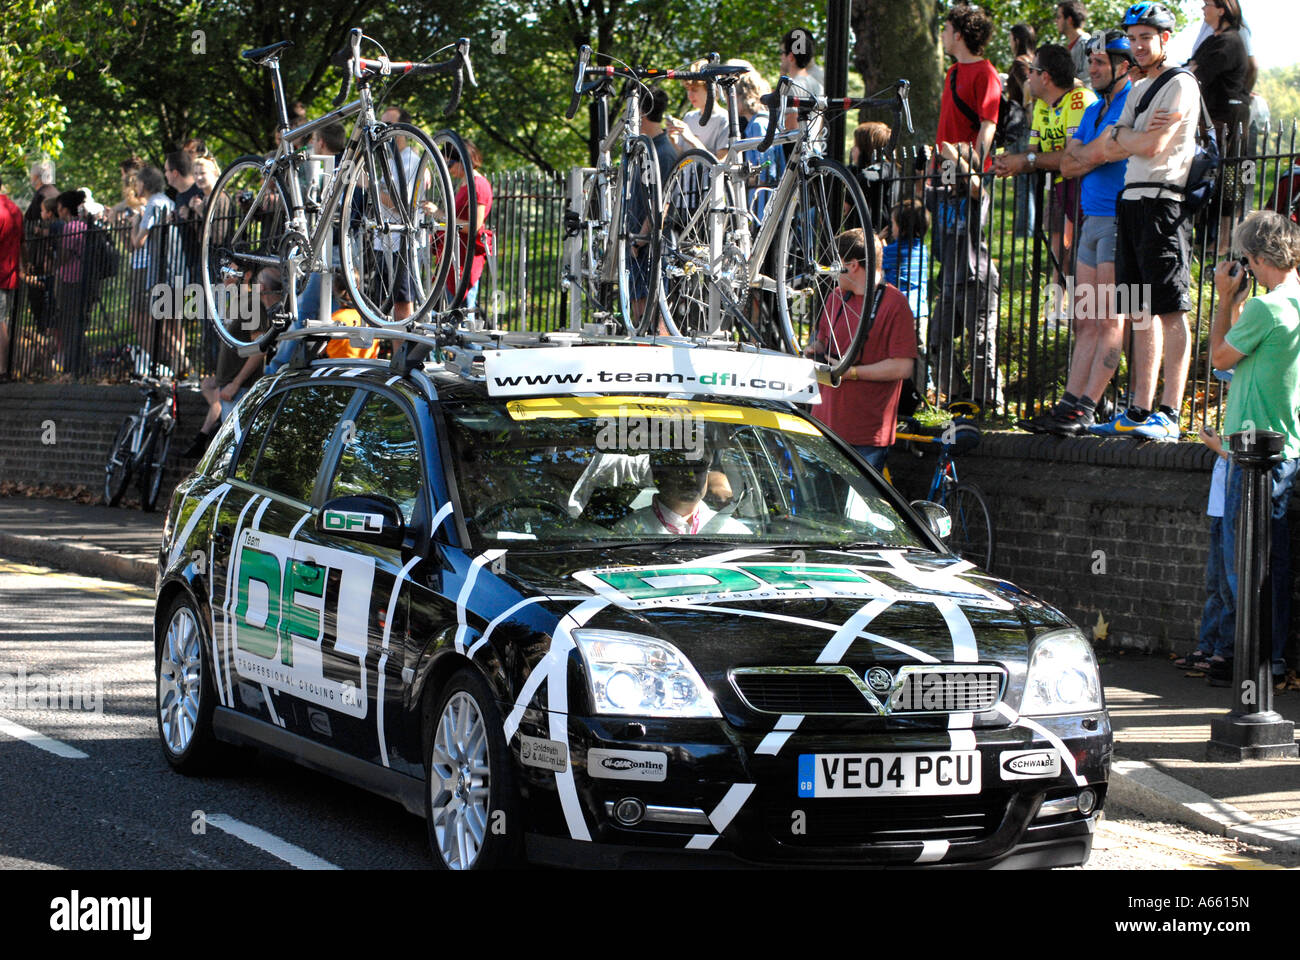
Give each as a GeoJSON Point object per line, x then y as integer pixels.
{"type": "Point", "coordinates": [1259, 339]}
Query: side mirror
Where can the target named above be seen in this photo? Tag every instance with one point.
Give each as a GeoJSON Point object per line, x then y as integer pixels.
{"type": "Point", "coordinates": [935, 516]}
{"type": "Point", "coordinates": [366, 519]}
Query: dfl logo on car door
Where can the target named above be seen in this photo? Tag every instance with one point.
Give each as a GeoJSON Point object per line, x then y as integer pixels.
{"type": "Point", "coordinates": [285, 609]}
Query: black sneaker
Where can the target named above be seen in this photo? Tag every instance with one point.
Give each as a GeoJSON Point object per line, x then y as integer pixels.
{"type": "Point", "coordinates": [1042, 422]}
{"type": "Point", "coordinates": [1074, 422]}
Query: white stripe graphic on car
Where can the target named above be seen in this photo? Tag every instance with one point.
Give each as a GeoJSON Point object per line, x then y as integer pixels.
{"type": "Point", "coordinates": [509, 612]}
{"type": "Point", "coordinates": [839, 644]}
{"type": "Point", "coordinates": [557, 709]}
{"type": "Point", "coordinates": [443, 513]}
{"type": "Point", "coordinates": [467, 588]}
{"type": "Point", "coordinates": [183, 537]}
{"type": "Point", "coordinates": [383, 657]}
{"type": "Point", "coordinates": [293, 534]}
{"type": "Point", "coordinates": [212, 565]}
{"type": "Point", "coordinates": [932, 851]}
{"type": "Point", "coordinates": [722, 815]}
{"type": "Point", "coordinates": [964, 649]}
{"type": "Point", "coordinates": [226, 620]}
{"type": "Point", "coordinates": [726, 557]}
{"type": "Point", "coordinates": [786, 724]}
{"type": "Point", "coordinates": [266, 691]}
{"type": "Point", "coordinates": [1066, 756]}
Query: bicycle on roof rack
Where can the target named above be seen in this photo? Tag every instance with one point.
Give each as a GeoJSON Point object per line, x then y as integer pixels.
{"type": "Point", "coordinates": [712, 267]}
{"type": "Point", "coordinates": [391, 199]}
{"type": "Point", "coordinates": [614, 218]}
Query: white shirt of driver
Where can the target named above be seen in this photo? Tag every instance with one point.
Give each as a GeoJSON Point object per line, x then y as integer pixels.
{"type": "Point", "coordinates": [657, 519]}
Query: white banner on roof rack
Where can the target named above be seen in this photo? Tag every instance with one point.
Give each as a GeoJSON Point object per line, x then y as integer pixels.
{"type": "Point", "coordinates": [650, 369]}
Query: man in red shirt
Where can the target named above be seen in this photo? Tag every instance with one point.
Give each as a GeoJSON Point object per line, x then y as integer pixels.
{"type": "Point", "coordinates": [11, 240]}
{"type": "Point", "coordinates": [972, 89]}
{"type": "Point", "coordinates": [863, 409]}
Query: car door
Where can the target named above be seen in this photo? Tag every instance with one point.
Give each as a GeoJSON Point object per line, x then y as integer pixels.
{"type": "Point", "coordinates": [269, 648]}
{"type": "Point", "coordinates": [364, 609]}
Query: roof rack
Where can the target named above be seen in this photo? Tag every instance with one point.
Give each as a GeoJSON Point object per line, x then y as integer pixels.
{"type": "Point", "coordinates": [461, 350]}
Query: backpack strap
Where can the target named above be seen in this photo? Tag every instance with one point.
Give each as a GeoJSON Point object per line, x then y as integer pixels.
{"type": "Point", "coordinates": [1155, 87]}
{"type": "Point", "coordinates": [958, 102]}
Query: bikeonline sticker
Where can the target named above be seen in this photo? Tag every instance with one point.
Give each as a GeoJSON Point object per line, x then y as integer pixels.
{"type": "Point", "coordinates": [283, 606]}
{"type": "Point", "coordinates": [656, 586]}
{"type": "Point", "coordinates": [517, 373]}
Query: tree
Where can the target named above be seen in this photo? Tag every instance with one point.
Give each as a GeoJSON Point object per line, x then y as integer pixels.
{"type": "Point", "coordinates": [896, 39]}
{"type": "Point", "coordinates": [41, 42]}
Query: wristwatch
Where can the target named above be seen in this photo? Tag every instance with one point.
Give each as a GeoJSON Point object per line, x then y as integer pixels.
{"type": "Point", "coordinates": [1114, 133]}
{"type": "Point", "coordinates": [1031, 158]}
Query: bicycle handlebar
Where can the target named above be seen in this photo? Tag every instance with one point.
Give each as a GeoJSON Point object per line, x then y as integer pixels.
{"type": "Point", "coordinates": [775, 99]}
{"type": "Point", "coordinates": [899, 103]}
{"type": "Point", "coordinates": [360, 68]}
{"type": "Point", "coordinates": [587, 78]}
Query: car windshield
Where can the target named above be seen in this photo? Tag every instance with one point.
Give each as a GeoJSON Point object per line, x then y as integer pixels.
{"type": "Point", "coordinates": [616, 469]}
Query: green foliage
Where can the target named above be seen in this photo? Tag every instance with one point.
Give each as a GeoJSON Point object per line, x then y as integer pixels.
{"type": "Point", "coordinates": [1041, 15]}
{"type": "Point", "coordinates": [1280, 87]}
{"type": "Point", "coordinates": [43, 43]}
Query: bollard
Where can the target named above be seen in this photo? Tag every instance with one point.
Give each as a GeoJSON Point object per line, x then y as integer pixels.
{"type": "Point", "coordinates": [1252, 730]}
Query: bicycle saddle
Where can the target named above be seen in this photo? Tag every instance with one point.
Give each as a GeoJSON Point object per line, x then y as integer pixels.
{"type": "Point", "coordinates": [261, 55]}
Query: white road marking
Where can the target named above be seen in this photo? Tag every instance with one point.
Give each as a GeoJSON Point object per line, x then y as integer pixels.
{"type": "Point", "coordinates": [268, 842]}
{"type": "Point", "coordinates": [41, 741]}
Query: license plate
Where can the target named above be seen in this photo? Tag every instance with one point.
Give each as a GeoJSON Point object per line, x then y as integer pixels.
{"type": "Point", "coordinates": [947, 773]}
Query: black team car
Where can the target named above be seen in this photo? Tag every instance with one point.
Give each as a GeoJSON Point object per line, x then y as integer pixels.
{"type": "Point", "coordinates": [615, 605]}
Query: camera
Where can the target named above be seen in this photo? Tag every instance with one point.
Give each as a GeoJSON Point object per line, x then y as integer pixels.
{"type": "Point", "coordinates": [1242, 266]}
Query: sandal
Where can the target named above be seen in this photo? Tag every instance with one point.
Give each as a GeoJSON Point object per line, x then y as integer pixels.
{"type": "Point", "coordinates": [1193, 660]}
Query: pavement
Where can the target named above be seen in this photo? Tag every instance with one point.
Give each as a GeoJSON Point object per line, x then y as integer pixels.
{"type": "Point", "coordinates": [1160, 715]}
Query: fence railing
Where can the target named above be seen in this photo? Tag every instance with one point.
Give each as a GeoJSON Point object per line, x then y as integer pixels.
{"type": "Point", "coordinates": [994, 314]}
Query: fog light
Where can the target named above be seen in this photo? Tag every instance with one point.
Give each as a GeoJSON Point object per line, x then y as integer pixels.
{"type": "Point", "coordinates": [629, 811]}
{"type": "Point", "coordinates": [1087, 801]}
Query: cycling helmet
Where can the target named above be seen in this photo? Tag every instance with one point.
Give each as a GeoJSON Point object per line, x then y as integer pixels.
{"type": "Point", "coordinates": [1150, 15]}
{"type": "Point", "coordinates": [1113, 42]}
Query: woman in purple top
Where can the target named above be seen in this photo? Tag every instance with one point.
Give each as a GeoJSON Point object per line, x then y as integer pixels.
{"type": "Point", "coordinates": [69, 295]}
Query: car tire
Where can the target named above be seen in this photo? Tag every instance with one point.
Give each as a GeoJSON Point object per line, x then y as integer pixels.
{"type": "Point", "coordinates": [471, 800]}
{"type": "Point", "coordinates": [185, 696]}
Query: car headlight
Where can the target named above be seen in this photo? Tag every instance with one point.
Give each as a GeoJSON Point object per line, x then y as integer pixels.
{"type": "Point", "coordinates": [1062, 676]}
{"type": "Point", "coordinates": [632, 675]}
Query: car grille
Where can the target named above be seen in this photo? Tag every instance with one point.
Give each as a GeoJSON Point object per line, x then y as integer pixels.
{"type": "Point", "coordinates": [837, 689]}
{"type": "Point", "coordinates": [885, 820]}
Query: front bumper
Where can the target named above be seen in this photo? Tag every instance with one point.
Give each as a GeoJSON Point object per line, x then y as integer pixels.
{"type": "Point", "coordinates": [731, 801]}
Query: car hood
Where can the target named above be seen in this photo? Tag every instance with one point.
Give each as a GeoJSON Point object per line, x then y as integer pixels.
{"type": "Point", "coordinates": [743, 606]}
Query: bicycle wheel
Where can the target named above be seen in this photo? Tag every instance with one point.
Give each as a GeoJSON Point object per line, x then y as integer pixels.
{"type": "Point", "coordinates": [153, 466]}
{"type": "Point", "coordinates": [117, 471]}
{"type": "Point", "coordinates": [972, 525]}
{"type": "Point", "coordinates": [638, 237]}
{"type": "Point", "coordinates": [695, 295]}
{"type": "Point", "coordinates": [452, 150]}
{"type": "Point", "coordinates": [398, 209]}
{"type": "Point", "coordinates": [245, 229]}
{"type": "Point", "coordinates": [824, 204]}
{"type": "Point", "coordinates": [594, 229]}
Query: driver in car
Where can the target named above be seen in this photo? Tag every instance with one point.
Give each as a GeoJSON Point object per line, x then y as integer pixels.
{"type": "Point", "coordinates": [678, 507]}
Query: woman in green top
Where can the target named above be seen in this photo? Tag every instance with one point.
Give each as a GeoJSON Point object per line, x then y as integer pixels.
{"type": "Point", "coordinates": [1260, 339]}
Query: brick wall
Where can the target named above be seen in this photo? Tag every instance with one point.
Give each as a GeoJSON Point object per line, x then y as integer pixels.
{"type": "Point", "coordinates": [82, 421]}
{"type": "Point", "coordinates": [1109, 527]}
{"type": "Point", "coordinates": [1056, 503]}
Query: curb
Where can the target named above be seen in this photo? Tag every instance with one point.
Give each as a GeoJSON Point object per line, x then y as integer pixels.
{"type": "Point", "coordinates": [79, 558]}
{"type": "Point", "coordinates": [1142, 787]}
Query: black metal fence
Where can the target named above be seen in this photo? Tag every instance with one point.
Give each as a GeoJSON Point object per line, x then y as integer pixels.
{"type": "Point", "coordinates": [994, 313]}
